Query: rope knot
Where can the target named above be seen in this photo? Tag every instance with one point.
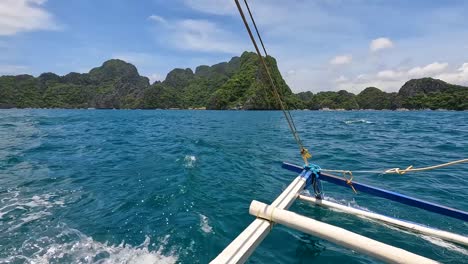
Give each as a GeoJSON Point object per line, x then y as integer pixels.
{"type": "Point", "coordinates": [398, 170]}
{"type": "Point", "coordinates": [349, 180]}
{"type": "Point", "coordinates": [305, 154]}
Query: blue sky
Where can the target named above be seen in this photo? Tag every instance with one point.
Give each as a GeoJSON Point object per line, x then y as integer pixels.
{"type": "Point", "coordinates": [320, 45]}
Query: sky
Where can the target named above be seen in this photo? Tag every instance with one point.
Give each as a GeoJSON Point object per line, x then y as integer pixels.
{"type": "Point", "coordinates": [320, 45]}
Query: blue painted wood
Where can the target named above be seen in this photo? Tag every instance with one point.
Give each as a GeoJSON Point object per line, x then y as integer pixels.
{"type": "Point", "coordinates": [394, 196]}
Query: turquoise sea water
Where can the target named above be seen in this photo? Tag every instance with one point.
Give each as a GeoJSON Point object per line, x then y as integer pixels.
{"type": "Point", "coordinates": [104, 186]}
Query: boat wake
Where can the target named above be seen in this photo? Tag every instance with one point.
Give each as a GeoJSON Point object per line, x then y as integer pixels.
{"type": "Point", "coordinates": [72, 246]}
{"type": "Point", "coordinates": [433, 240]}
{"type": "Point", "coordinates": [351, 203]}
{"type": "Point", "coordinates": [57, 243]}
{"type": "Point", "coordinates": [441, 243]}
{"type": "Point", "coordinates": [18, 211]}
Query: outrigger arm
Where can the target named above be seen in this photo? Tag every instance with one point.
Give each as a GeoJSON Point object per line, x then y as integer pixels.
{"type": "Point", "coordinates": [244, 245]}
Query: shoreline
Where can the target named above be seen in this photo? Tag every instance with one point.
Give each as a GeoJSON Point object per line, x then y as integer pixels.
{"type": "Point", "coordinates": [235, 110]}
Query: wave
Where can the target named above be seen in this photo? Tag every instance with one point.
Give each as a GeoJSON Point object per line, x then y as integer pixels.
{"type": "Point", "coordinates": [83, 249]}
{"type": "Point", "coordinates": [18, 211]}
{"type": "Point", "coordinates": [358, 121]}
{"type": "Point", "coordinates": [55, 244]}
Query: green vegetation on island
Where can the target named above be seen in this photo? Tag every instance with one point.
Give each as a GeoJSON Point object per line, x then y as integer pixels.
{"type": "Point", "coordinates": [425, 93]}
{"type": "Point", "coordinates": [238, 84]}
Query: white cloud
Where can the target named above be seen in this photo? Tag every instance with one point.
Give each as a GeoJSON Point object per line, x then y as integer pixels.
{"type": "Point", "coordinates": [341, 79]}
{"type": "Point", "coordinates": [12, 69]}
{"type": "Point", "coordinates": [216, 7]}
{"type": "Point", "coordinates": [392, 80]}
{"type": "Point", "coordinates": [388, 80]}
{"type": "Point", "coordinates": [285, 20]}
{"type": "Point", "coordinates": [205, 36]}
{"type": "Point", "coordinates": [24, 15]}
{"type": "Point", "coordinates": [380, 44]}
{"type": "Point", "coordinates": [391, 75]}
{"type": "Point", "coordinates": [428, 70]}
{"type": "Point", "coordinates": [384, 85]}
{"type": "Point", "coordinates": [199, 35]}
{"type": "Point", "coordinates": [158, 19]}
{"type": "Point", "coordinates": [341, 60]}
{"type": "Point", "coordinates": [459, 77]}
{"type": "Point", "coordinates": [155, 77]}
{"type": "Point", "coordinates": [362, 76]}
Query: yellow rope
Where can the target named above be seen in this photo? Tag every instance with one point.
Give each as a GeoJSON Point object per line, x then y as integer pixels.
{"type": "Point", "coordinates": [411, 169]}
{"type": "Point", "coordinates": [349, 180]}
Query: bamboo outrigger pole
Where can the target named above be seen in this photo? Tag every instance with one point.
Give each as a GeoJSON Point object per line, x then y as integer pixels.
{"type": "Point", "coordinates": [413, 227]}
{"type": "Point", "coordinates": [337, 235]}
{"type": "Point", "coordinates": [243, 246]}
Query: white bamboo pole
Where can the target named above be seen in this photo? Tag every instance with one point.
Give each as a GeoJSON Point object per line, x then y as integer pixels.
{"type": "Point", "coordinates": [391, 221]}
{"type": "Point", "coordinates": [243, 246]}
{"type": "Point", "coordinates": [336, 235]}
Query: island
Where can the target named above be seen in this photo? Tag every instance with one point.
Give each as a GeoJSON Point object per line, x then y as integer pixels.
{"type": "Point", "coordinates": [239, 84]}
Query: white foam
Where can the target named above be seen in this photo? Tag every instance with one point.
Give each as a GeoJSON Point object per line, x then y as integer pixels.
{"type": "Point", "coordinates": [14, 195]}
{"type": "Point", "coordinates": [352, 203]}
{"type": "Point", "coordinates": [29, 218]}
{"type": "Point", "coordinates": [31, 208]}
{"type": "Point", "coordinates": [85, 250]}
{"type": "Point", "coordinates": [204, 224]}
{"type": "Point", "coordinates": [441, 243]}
{"type": "Point", "coordinates": [362, 121]}
{"type": "Point", "coordinates": [44, 200]}
{"type": "Point", "coordinates": [190, 161]}
{"type": "Point", "coordinates": [434, 240]}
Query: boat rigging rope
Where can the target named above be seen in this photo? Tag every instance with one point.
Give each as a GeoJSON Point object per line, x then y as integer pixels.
{"type": "Point", "coordinates": [411, 169]}
{"type": "Point", "coordinates": [287, 114]}
{"type": "Point", "coordinates": [402, 171]}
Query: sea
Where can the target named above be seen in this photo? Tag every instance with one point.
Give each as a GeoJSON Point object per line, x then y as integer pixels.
{"type": "Point", "coordinates": [174, 186]}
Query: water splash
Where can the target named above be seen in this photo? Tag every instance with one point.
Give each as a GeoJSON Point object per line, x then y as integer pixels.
{"type": "Point", "coordinates": [83, 249]}
{"type": "Point", "coordinates": [190, 161]}
{"type": "Point", "coordinates": [204, 224]}
{"type": "Point", "coordinates": [348, 203]}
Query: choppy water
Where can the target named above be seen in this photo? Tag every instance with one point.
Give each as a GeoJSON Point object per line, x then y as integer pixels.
{"type": "Point", "coordinates": [90, 186]}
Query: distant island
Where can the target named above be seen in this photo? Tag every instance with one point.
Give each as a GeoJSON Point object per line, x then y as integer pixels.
{"type": "Point", "coordinates": [238, 84]}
